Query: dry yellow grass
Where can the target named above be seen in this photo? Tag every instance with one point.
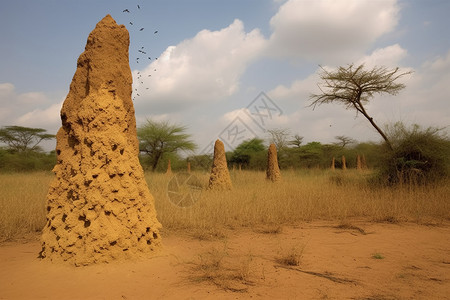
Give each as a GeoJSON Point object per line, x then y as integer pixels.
{"type": "Point", "coordinates": [22, 203]}
{"type": "Point", "coordinates": [301, 196]}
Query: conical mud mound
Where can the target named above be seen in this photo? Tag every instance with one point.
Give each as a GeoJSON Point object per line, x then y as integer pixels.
{"type": "Point", "coordinates": [220, 177]}
{"type": "Point", "coordinates": [99, 207]}
{"type": "Point", "coordinates": [273, 171]}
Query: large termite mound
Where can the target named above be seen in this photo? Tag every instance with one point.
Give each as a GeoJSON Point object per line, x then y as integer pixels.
{"type": "Point", "coordinates": [220, 177]}
{"type": "Point", "coordinates": [99, 207]}
{"type": "Point", "coordinates": [273, 171]}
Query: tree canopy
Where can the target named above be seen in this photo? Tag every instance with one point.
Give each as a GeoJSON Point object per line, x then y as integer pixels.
{"type": "Point", "coordinates": [159, 138]}
{"type": "Point", "coordinates": [355, 86]}
{"type": "Point", "coordinates": [248, 150]}
{"type": "Point", "coordinates": [23, 139]}
{"type": "Point", "coordinates": [279, 137]}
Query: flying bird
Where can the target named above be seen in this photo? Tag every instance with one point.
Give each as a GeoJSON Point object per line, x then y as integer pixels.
{"type": "Point", "coordinates": [139, 7]}
{"type": "Point", "coordinates": [155, 32]}
{"type": "Point", "coordinates": [126, 10]}
{"type": "Point", "coordinates": [141, 29]}
{"type": "Point", "coordinates": [131, 23]}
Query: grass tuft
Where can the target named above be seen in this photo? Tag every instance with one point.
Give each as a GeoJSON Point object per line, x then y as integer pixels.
{"type": "Point", "coordinates": [292, 257]}
{"type": "Point", "coordinates": [377, 256]}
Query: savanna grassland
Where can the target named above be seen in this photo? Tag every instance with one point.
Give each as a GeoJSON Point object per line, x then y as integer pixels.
{"type": "Point", "coordinates": [303, 195]}
{"type": "Point", "coordinates": [317, 234]}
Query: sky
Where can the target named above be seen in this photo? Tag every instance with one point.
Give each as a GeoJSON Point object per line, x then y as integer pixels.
{"type": "Point", "coordinates": [233, 69]}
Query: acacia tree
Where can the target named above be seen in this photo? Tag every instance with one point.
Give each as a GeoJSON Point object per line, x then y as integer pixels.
{"type": "Point", "coordinates": [344, 140]}
{"type": "Point", "coordinates": [248, 151]}
{"type": "Point", "coordinates": [297, 141]}
{"type": "Point", "coordinates": [355, 86]}
{"type": "Point", "coordinates": [159, 138]}
{"type": "Point", "coordinates": [23, 139]}
{"type": "Point", "coordinates": [279, 136]}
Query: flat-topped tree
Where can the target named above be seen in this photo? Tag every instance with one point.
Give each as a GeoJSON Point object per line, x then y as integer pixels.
{"type": "Point", "coordinates": [23, 139]}
{"type": "Point", "coordinates": [355, 86]}
{"type": "Point", "coordinates": [157, 139]}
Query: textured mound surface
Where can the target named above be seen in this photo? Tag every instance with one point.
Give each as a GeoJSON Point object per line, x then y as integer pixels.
{"type": "Point", "coordinates": [220, 177]}
{"type": "Point", "coordinates": [344, 164]}
{"type": "Point", "coordinates": [273, 171]}
{"type": "Point", "coordinates": [99, 207]}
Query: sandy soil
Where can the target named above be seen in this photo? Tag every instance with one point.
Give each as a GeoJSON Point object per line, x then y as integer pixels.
{"type": "Point", "coordinates": [360, 261]}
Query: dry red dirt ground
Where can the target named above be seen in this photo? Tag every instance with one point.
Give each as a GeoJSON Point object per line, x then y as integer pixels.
{"type": "Point", "coordinates": [358, 260]}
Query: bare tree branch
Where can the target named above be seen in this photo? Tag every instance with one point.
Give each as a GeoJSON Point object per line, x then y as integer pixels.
{"type": "Point", "coordinates": [354, 86]}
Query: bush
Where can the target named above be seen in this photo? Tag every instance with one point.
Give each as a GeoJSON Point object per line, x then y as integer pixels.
{"type": "Point", "coordinates": [12, 161]}
{"type": "Point", "coordinates": [419, 156]}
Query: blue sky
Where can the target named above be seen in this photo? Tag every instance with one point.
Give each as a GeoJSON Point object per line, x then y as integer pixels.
{"type": "Point", "coordinates": [216, 57]}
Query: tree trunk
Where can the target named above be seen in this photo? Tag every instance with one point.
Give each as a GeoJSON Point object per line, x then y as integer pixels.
{"type": "Point", "coordinates": [361, 109]}
{"type": "Point", "coordinates": [155, 162]}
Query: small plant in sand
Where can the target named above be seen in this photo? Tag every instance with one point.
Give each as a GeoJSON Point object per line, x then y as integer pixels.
{"type": "Point", "coordinates": [226, 271]}
{"type": "Point", "coordinates": [292, 257]}
{"type": "Point", "coordinates": [208, 234]}
{"type": "Point", "coordinates": [270, 229]}
{"type": "Point", "coordinates": [377, 256]}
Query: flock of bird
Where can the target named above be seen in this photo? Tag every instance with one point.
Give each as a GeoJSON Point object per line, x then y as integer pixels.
{"type": "Point", "coordinates": [140, 55]}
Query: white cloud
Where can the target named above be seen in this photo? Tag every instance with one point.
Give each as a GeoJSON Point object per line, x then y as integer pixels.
{"type": "Point", "coordinates": [6, 89]}
{"type": "Point", "coordinates": [47, 118]}
{"type": "Point", "coordinates": [389, 57]}
{"type": "Point", "coordinates": [299, 90]}
{"type": "Point", "coordinates": [427, 93]}
{"type": "Point", "coordinates": [423, 101]}
{"type": "Point", "coordinates": [330, 31]}
{"type": "Point", "coordinates": [439, 64]}
{"type": "Point", "coordinates": [7, 96]}
{"type": "Point", "coordinates": [206, 68]}
{"type": "Point", "coordinates": [32, 98]}
{"type": "Point", "coordinates": [32, 109]}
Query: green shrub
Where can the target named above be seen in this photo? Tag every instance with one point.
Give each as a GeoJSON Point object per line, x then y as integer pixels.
{"type": "Point", "coordinates": [12, 161]}
{"type": "Point", "coordinates": [419, 156]}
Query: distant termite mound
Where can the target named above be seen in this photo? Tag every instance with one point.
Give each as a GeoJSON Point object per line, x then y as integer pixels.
{"type": "Point", "coordinates": [358, 162]}
{"type": "Point", "coordinates": [344, 164]}
{"type": "Point", "coordinates": [273, 171]}
{"type": "Point", "coordinates": [220, 177]}
{"type": "Point", "coordinates": [99, 207]}
{"type": "Point", "coordinates": [169, 168]}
